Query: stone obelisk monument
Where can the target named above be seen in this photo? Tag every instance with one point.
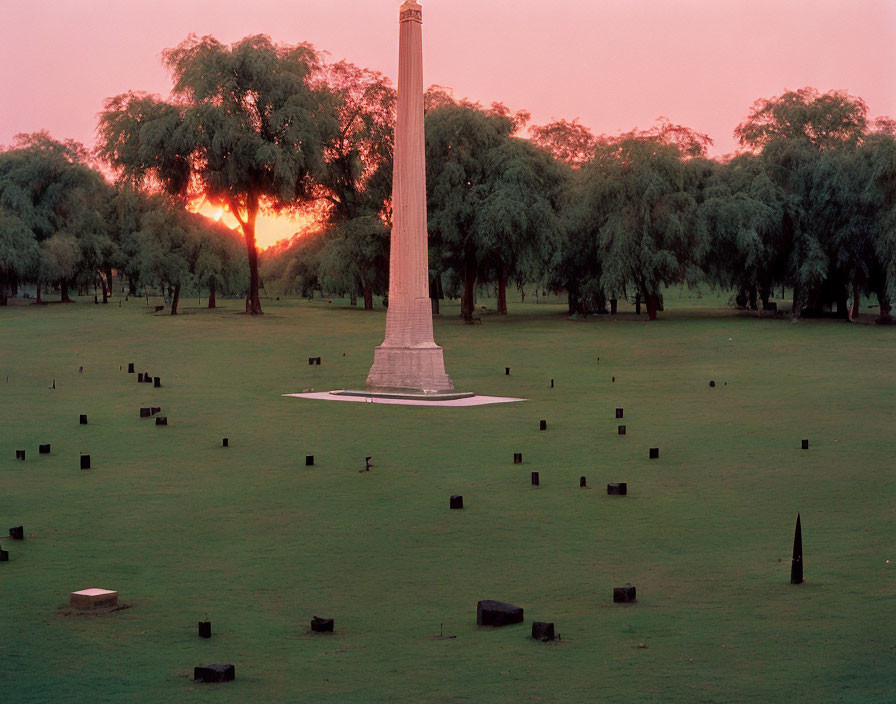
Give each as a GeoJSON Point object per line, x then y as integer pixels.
{"type": "Point", "coordinates": [409, 360]}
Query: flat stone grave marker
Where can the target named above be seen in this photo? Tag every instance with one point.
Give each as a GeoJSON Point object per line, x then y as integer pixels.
{"type": "Point", "coordinates": [619, 413]}
{"type": "Point", "coordinates": [205, 629]}
{"type": "Point", "coordinates": [621, 430]}
{"type": "Point", "coordinates": [225, 442]}
{"type": "Point", "coordinates": [145, 413]}
{"type": "Point", "coordinates": [154, 409]}
{"type": "Point", "coordinates": [20, 454]}
{"type": "Point", "coordinates": [497, 613]}
{"type": "Point", "coordinates": [44, 449]}
{"type": "Point", "coordinates": [618, 489]}
{"type": "Point", "coordinates": [321, 625]}
{"type": "Point", "coordinates": [712, 384]}
{"type": "Point", "coordinates": [654, 453]}
{"type": "Point", "coordinates": [83, 419]}
{"type": "Point", "coordinates": [583, 483]}
{"type": "Point", "coordinates": [157, 382]}
{"type": "Point", "coordinates": [534, 478]}
{"type": "Point", "coordinates": [309, 460]}
{"type": "Point", "coordinates": [130, 367]}
{"type": "Point", "coordinates": [85, 461]}
{"type": "Point", "coordinates": [4, 555]}
{"type": "Point", "coordinates": [456, 502]}
{"type": "Point", "coordinates": [805, 444]}
{"type": "Point", "coordinates": [517, 457]}
{"type": "Point", "coordinates": [17, 533]}
{"type": "Point", "coordinates": [93, 599]}
{"type": "Point", "coordinates": [542, 425]}
{"type": "Point", "coordinates": [214, 673]}
{"type": "Point", "coordinates": [506, 371]}
{"type": "Point", "coordinates": [140, 377]}
{"type": "Point", "coordinates": [543, 631]}
{"type": "Point", "coordinates": [624, 595]}
{"type": "Point", "coordinates": [162, 420]}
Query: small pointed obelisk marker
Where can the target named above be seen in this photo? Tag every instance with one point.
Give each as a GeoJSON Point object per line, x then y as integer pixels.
{"type": "Point", "coordinates": [796, 566]}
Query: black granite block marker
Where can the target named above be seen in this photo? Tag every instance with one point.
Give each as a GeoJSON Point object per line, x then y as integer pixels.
{"type": "Point", "coordinates": [542, 425]}
{"type": "Point", "coordinates": [147, 378]}
{"type": "Point", "coordinates": [85, 461]}
{"type": "Point", "coordinates": [456, 502]}
{"type": "Point", "coordinates": [130, 367]}
{"type": "Point", "coordinates": [552, 383]}
{"type": "Point", "coordinates": [321, 625]}
{"type": "Point", "coordinates": [534, 478]}
{"type": "Point", "coordinates": [153, 410]}
{"type": "Point", "coordinates": [654, 453]}
{"type": "Point", "coordinates": [543, 631]}
{"type": "Point", "coordinates": [712, 384]}
{"type": "Point", "coordinates": [145, 412]}
{"type": "Point", "coordinates": [83, 419]}
{"type": "Point", "coordinates": [157, 382]}
{"type": "Point", "coordinates": [17, 533]}
{"type": "Point", "coordinates": [506, 371]}
{"type": "Point", "coordinates": [621, 430]}
{"type": "Point", "coordinates": [367, 463]}
{"type": "Point", "coordinates": [162, 420]}
{"type": "Point", "coordinates": [309, 460]}
{"type": "Point", "coordinates": [43, 449]}
{"type": "Point", "coordinates": [617, 489]}
{"type": "Point", "coordinates": [624, 595]}
{"type": "Point", "coordinates": [317, 361]}
{"type": "Point", "coordinates": [140, 378]}
{"type": "Point", "coordinates": [619, 413]}
{"type": "Point", "coordinates": [583, 483]}
{"type": "Point", "coordinates": [4, 555]}
{"type": "Point", "coordinates": [517, 457]}
{"type": "Point", "coordinates": [214, 673]}
{"type": "Point", "coordinates": [614, 379]}
{"type": "Point", "coordinates": [311, 361]}
{"type": "Point", "coordinates": [497, 613]}
{"type": "Point", "coordinates": [159, 309]}
{"type": "Point", "coordinates": [805, 444]}
{"type": "Point", "coordinates": [20, 454]}
{"type": "Point", "coordinates": [205, 629]}
{"type": "Point", "coordinates": [796, 564]}
{"type": "Point", "coordinates": [225, 442]}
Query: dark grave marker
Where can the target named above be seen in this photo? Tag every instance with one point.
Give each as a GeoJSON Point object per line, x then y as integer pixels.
{"type": "Point", "coordinates": [83, 419]}
{"type": "Point", "coordinates": [145, 413]}
{"type": "Point", "coordinates": [543, 631]}
{"type": "Point", "coordinates": [85, 461]}
{"type": "Point", "coordinates": [225, 442]}
{"type": "Point", "coordinates": [583, 482]}
{"type": "Point", "coordinates": [309, 460]}
{"type": "Point", "coordinates": [624, 595]}
{"type": "Point", "coordinates": [456, 502]}
{"type": "Point", "coordinates": [796, 564]}
{"type": "Point", "coordinates": [619, 413]}
{"type": "Point", "coordinates": [805, 444]}
{"type": "Point", "coordinates": [497, 613]}
{"type": "Point", "coordinates": [506, 371]}
{"type": "Point", "coordinates": [43, 449]}
{"type": "Point", "coordinates": [140, 378]}
{"type": "Point", "coordinates": [614, 379]}
{"type": "Point", "coordinates": [552, 383]}
{"type": "Point", "coordinates": [621, 430]}
{"type": "Point", "coordinates": [80, 370]}
{"type": "Point", "coordinates": [205, 629]}
{"type": "Point", "coordinates": [542, 425]}
{"type": "Point", "coordinates": [130, 367]}
{"type": "Point", "coordinates": [157, 382]}
{"type": "Point", "coordinates": [534, 478]}
{"type": "Point", "coordinates": [147, 378]}
{"type": "Point", "coordinates": [311, 361]}
{"type": "Point", "coordinates": [4, 555]}
{"type": "Point", "coordinates": [712, 384]}
{"type": "Point", "coordinates": [321, 625]}
{"type": "Point", "coordinates": [154, 409]}
{"type": "Point", "coordinates": [367, 463]}
{"type": "Point", "coordinates": [317, 361]}
{"type": "Point", "coordinates": [20, 454]}
{"type": "Point", "coordinates": [54, 383]}
{"type": "Point", "coordinates": [159, 309]}
{"type": "Point", "coordinates": [617, 489]}
{"type": "Point", "coordinates": [214, 673]}
{"type": "Point", "coordinates": [17, 533]}
{"type": "Point", "coordinates": [517, 457]}
{"type": "Point", "coordinates": [162, 420]}
{"type": "Point", "coordinates": [654, 453]}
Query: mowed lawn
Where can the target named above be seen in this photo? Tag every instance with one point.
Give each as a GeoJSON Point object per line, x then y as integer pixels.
{"type": "Point", "coordinates": [258, 543]}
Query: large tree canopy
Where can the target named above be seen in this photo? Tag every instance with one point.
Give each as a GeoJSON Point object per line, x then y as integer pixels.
{"type": "Point", "coordinates": [246, 129]}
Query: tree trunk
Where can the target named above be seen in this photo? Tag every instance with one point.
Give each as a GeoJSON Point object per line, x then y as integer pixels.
{"type": "Point", "coordinates": [467, 300]}
{"type": "Point", "coordinates": [107, 287]}
{"type": "Point", "coordinates": [132, 287]}
{"type": "Point", "coordinates": [797, 304]}
{"type": "Point", "coordinates": [855, 309]}
{"type": "Point", "coordinates": [614, 304]}
{"type": "Point", "coordinates": [502, 291]}
{"type": "Point", "coordinates": [353, 299]}
{"type": "Point", "coordinates": [37, 298]}
{"type": "Point", "coordinates": [572, 299]}
{"type": "Point", "coordinates": [885, 307]}
{"type": "Point", "coordinates": [253, 302]}
{"type": "Point", "coordinates": [212, 295]}
{"type": "Point", "coordinates": [4, 293]}
{"type": "Point", "coordinates": [434, 294]}
{"type": "Point", "coordinates": [63, 291]}
{"type": "Point", "coordinates": [751, 298]}
{"type": "Point", "coordinates": [368, 295]}
{"type": "Point", "coordinates": [764, 294]}
{"type": "Point", "coordinates": [637, 304]}
{"type": "Point", "coordinates": [652, 305]}
{"type": "Point", "coordinates": [175, 298]}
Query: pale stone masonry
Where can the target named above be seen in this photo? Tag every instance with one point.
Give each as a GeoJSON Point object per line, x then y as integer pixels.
{"type": "Point", "coordinates": [409, 358]}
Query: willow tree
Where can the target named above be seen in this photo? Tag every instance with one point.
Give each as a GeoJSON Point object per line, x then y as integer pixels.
{"type": "Point", "coordinates": [245, 128]}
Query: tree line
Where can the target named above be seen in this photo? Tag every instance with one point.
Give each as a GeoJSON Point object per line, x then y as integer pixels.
{"type": "Point", "coordinates": [808, 204]}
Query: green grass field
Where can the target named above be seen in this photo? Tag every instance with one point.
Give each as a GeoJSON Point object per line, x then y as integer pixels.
{"type": "Point", "coordinates": [253, 539]}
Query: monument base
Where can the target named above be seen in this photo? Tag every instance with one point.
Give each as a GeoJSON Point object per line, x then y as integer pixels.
{"type": "Point", "coordinates": [416, 370]}
{"type": "Point", "coordinates": [404, 394]}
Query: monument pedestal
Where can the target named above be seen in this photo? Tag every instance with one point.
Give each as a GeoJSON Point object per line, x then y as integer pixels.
{"type": "Point", "coordinates": [420, 369]}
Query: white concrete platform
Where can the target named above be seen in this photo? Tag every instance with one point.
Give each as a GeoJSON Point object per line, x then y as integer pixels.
{"type": "Point", "coordinates": [93, 598]}
{"type": "Point", "coordinates": [469, 401]}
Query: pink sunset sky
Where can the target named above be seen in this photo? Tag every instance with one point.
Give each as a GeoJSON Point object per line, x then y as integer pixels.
{"type": "Point", "coordinates": [614, 64]}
